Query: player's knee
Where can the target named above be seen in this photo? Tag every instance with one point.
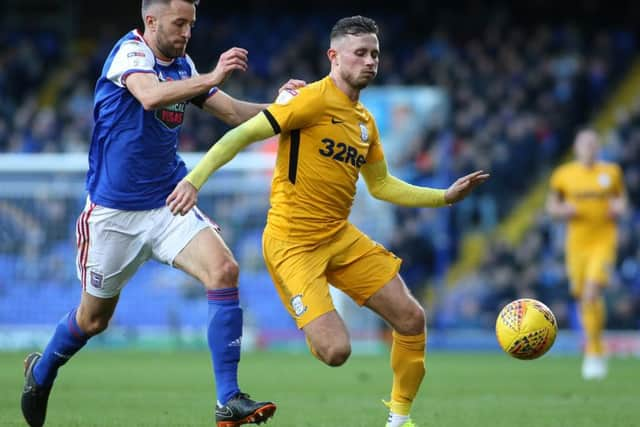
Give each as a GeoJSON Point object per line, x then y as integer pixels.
{"type": "Point", "coordinates": [590, 298]}
{"type": "Point", "coordinates": [223, 275]}
{"type": "Point", "coordinates": [336, 355]}
{"type": "Point", "coordinates": [93, 325]}
{"type": "Point", "coordinates": [229, 272]}
{"type": "Point", "coordinates": [332, 353]}
{"type": "Point", "coordinates": [413, 322]}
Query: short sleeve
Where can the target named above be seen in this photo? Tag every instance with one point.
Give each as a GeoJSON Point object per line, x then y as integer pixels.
{"type": "Point", "coordinates": [618, 180]}
{"type": "Point", "coordinates": [376, 153]}
{"type": "Point", "coordinates": [295, 109]}
{"type": "Point", "coordinates": [132, 57]}
{"type": "Point", "coordinates": [192, 66]}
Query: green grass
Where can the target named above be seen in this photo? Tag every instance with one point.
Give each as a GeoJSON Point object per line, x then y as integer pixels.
{"type": "Point", "coordinates": [118, 388]}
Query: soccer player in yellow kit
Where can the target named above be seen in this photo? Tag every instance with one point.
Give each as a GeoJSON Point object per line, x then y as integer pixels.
{"type": "Point", "coordinates": [590, 196]}
{"type": "Point", "coordinates": [327, 138]}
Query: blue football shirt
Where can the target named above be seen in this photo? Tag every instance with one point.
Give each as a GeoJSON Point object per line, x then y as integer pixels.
{"type": "Point", "coordinates": [133, 159]}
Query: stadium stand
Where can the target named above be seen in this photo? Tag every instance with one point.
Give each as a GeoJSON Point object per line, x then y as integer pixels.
{"type": "Point", "coordinates": [517, 92]}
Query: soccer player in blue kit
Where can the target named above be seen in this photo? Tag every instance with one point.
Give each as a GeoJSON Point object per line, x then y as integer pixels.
{"type": "Point", "coordinates": [140, 99]}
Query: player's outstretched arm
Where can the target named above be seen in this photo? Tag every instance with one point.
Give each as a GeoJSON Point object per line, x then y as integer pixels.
{"type": "Point", "coordinates": [154, 94]}
{"type": "Point", "coordinates": [385, 186]}
{"type": "Point", "coordinates": [185, 195]}
{"type": "Point", "coordinates": [233, 111]}
{"type": "Point", "coordinates": [463, 186]}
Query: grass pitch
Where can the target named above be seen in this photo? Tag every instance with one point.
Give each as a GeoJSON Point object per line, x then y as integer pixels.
{"type": "Point", "coordinates": [120, 388]}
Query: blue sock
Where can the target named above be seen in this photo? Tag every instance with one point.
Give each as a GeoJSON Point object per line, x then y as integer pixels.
{"type": "Point", "coordinates": [66, 341]}
{"type": "Point", "coordinates": [224, 336]}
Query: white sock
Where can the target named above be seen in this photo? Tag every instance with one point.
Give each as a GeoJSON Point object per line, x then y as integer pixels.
{"type": "Point", "coordinates": [396, 420]}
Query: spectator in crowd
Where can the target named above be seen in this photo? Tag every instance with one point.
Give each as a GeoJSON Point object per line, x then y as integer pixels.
{"type": "Point", "coordinates": [516, 93]}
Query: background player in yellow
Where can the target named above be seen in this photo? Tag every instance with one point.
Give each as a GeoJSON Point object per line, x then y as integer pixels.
{"type": "Point", "coordinates": [589, 195]}
{"type": "Point", "coordinates": [327, 138]}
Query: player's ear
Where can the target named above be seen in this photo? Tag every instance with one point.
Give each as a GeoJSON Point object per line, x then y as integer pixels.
{"type": "Point", "coordinates": [150, 22]}
{"type": "Point", "coordinates": [332, 54]}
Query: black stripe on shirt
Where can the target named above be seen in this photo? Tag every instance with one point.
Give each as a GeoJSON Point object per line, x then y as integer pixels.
{"type": "Point", "coordinates": [273, 121]}
{"type": "Point", "coordinates": [294, 149]}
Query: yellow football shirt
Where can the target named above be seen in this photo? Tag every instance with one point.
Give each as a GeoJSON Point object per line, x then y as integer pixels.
{"type": "Point", "coordinates": [590, 190]}
{"type": "Point", "coordinates": [325, 138]}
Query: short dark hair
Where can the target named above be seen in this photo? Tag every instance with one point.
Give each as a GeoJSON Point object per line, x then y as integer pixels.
{"type": "Point", "coordinates": [147, 3]}
{"type": "Point", "coordinates": [354, 25]}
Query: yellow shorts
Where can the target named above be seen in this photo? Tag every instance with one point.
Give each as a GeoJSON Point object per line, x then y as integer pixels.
{"type": "Point", "coordinates": [350, 261]}
{"type": "Point", "coordinates": [589, 265]}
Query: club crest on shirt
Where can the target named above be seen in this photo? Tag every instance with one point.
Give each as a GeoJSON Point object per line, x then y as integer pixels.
{"type": "Point", "coordinates": [297, 305]}
{"type": "Point", "coordinates": [604, 180]}
{"type": "Point", "coordinates": [364, 132]}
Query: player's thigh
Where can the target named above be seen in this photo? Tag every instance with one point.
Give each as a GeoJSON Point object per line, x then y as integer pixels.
{"type": "Point", "coordinates": [298, 273]}
{"type": "Point", "coordinates": [111, 247]}
{"type": "Point", "coordinates": [360, 267]}
{"type": "Point", "coordinates": [395, 304]}
{"type": "Point", "coordinates": [576, 267]}
{"type": "Point", "coordinates": [193, 244]}
{"type": "Point", "coordinates": [599, 265]}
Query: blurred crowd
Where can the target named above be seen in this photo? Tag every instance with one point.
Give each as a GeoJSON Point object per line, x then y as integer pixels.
{"type": "Point", "coordinates": [516, 94]}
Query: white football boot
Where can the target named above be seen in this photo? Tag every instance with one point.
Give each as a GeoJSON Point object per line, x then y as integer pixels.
{"type": "Point", "coordinates": [594, 367]}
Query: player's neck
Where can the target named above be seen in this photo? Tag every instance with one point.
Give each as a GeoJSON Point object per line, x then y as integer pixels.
{"type": "Point", "coordinates": [154, 48]}
{"type": "Point", "coordinates": [352, 93]}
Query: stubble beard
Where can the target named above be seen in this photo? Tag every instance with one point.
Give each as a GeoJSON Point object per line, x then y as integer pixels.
{"type": "Point", "coordinates": [361, 83]}
{"type": "Point", "coordinates": [170, 51]}
{"type": "Point", "coordinates": [357, 83]}
{"type": "Point", "coordinates": [166, 48]}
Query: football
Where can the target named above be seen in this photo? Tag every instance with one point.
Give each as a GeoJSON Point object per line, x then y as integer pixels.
{"type": "Point", "coordinates": [526, 328]}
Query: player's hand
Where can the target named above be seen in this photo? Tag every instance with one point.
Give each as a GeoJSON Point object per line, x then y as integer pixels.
{"type": "Point", "coordinates": [463, 186]}
{"type": "Point", "coordinates": [231, 60]}
{"type": "Point", "coordinates": [182, 198]}
{"type": "Point", "coordinates": [617, 208]}
{"type": "Point", "coordinates": [566, 211]}
{"type": "Point", "coordinates": [292, 84]}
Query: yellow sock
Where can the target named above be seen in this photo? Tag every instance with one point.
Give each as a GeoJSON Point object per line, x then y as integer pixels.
{"type": "Point", "coordinates": [407, 363]}
{"type": "Point", "coordinates": [593, 320]}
